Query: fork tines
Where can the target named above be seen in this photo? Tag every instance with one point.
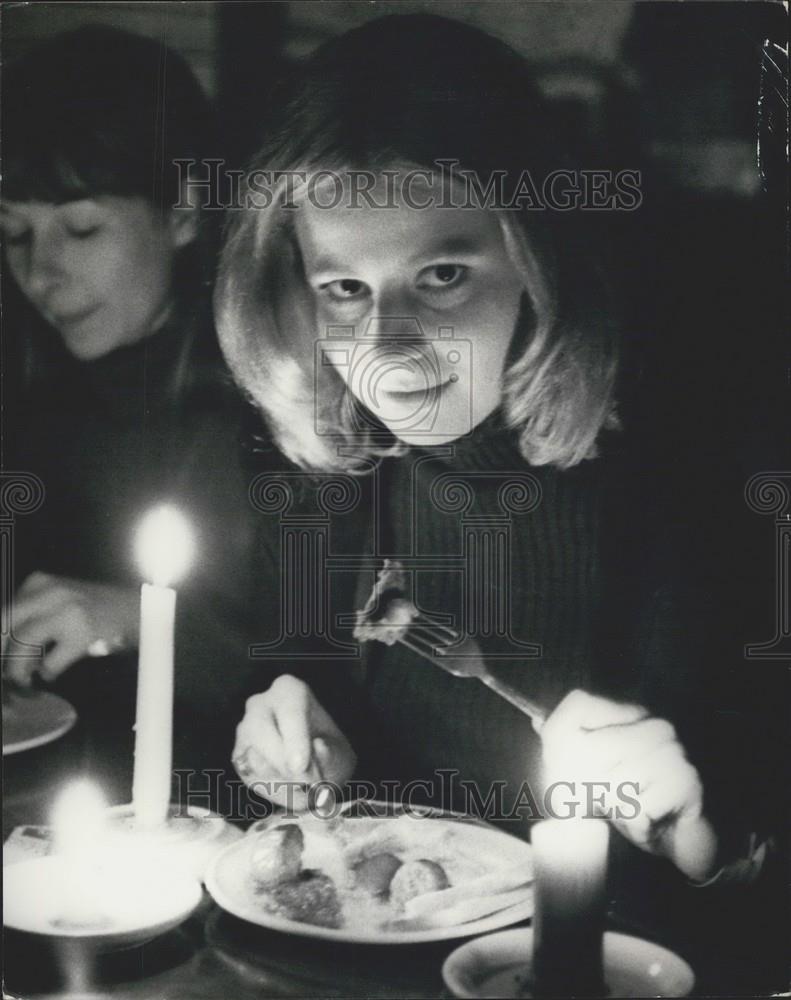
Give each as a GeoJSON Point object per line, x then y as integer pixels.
{"type": "Point", "coordinates": [425, 630]}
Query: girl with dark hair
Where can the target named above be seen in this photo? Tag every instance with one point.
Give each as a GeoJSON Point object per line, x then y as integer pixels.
{"type": "Point", "coordinates": [95, 125]}
{"type": "Point", "coordinates": [455, 351]}
{"type": "Point", "coordinates": [120, 396]}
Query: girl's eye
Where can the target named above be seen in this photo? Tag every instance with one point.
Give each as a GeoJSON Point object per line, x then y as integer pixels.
{"type": "Point", "coordinates": [345, 290]}
{"type": "Point", "coordinates": [82, 219]}
{"type": "Point", "coordinates": [442, 276]}
{"type": "Point", "coordinates": [82, 232]}
{"type": "Point", "coordinates": [16, 237]}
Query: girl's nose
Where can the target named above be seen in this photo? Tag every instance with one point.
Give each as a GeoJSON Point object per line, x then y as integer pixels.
{"type": "Point", "coordinates": [397, 315]}
{"type": "Point", "coordinates": [45, 266]}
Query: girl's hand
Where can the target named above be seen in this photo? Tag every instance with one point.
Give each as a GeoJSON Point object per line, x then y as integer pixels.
{"type": "Point", "coordinates": [286, 739]}
{"type": "Point", "coordinates": [69, 619]}
{"type": "Point", "coordinates": [594, 739]}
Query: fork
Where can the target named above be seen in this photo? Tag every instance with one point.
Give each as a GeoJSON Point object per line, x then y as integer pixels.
{"type": "Point", "coordinates": [462, 657]}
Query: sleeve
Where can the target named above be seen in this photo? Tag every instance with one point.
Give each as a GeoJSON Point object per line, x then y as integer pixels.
{"type": "Point", "coordinates": [675, 653]}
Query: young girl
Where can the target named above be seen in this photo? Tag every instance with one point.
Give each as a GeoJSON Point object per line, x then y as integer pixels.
{"type": "Point", "coordinates": [453, 349]}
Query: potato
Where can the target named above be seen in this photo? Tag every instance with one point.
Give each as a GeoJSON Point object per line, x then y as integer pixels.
{"type": "Point", "coordinates": [277, 855]}
{"type": "Point", "coordinates": [374, 874]}
{"type": "Point", "coordinates": [415, 878]}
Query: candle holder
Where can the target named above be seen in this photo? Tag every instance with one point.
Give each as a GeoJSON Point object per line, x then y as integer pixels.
{"type": "Point", "coordinates": [114, 900]}
{"type": "Point", "coordinates": [499, 965]}
{"type": "Point", "coordinates": [189, 838]}
{"type": "Point", "coordinates": [188, 841]}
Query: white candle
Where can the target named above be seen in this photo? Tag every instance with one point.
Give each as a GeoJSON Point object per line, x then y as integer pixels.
{"type": "Point", "coordinates": [570, 857]}
{"type": "Point", "coordinates": [164, 552]}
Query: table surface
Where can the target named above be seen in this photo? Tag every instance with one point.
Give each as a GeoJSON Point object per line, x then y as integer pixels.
{"type": "Point", "coordinates": [735, 943]}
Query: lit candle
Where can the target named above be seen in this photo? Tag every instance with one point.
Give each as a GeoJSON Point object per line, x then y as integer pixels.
{"type": "Point", "coordinates": [164, 553]}
{"type": "Point", "coordinates": [78, 832]}
{"type": "Point", "coordinates": [570, 857]}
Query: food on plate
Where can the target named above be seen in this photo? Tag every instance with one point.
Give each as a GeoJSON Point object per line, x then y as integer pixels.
{"type": "Point", "coordinates": [277, 855]}
{"type": "Point", "coordinates": [375, 873]}
{"type": "Point", "coordinates": [284, 887]}
{"type": "Point", "coordinates": [311, 898]}
{"type": "Point", "coordinates": [490, 886]}
{"type": "Point", "coordinates": [416, 878]}
{"type": "Point", "coordinates": [387, 613]}
{"type": "Point", "coordinates": [371, 875]}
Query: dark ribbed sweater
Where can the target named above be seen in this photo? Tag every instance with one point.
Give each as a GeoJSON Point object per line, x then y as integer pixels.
{"type": "Point", "coordinates": [523, 545]}
{"type": "Point", "coordinates": [555, 559]}
{"type": "Point", "coordinates": [566, 560]}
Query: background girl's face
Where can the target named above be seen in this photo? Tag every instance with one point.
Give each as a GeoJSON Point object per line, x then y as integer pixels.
{"type": "Point", "coordinates": [99, 269]}
{"type": "Point", "coordinates": [416, 309]}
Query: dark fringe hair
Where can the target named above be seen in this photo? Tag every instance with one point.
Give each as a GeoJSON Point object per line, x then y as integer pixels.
{"type": "Point", "coordinates": [102, 111]}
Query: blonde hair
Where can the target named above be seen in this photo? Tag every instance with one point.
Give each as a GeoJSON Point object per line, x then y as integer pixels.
{"type": "Point", "coordinates": [558, 384]}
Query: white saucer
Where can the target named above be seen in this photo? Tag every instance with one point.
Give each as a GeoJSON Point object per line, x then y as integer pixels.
{"type": "Point", "coordinates": [191, 838]}
{"type": "Point", "coordinates": [498, 965]}
{"type": "Point", "coordinates": [132, 903]}
{"type": "Point", "coordinates": [33, 719]}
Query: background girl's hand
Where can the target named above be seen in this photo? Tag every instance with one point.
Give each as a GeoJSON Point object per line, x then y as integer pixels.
{"type": "Point", "coordinates": [594, 739]}
{"type": "Point", "coordinates": [286, 737]}
{"type": "Point", "coordinates": [70, 619]}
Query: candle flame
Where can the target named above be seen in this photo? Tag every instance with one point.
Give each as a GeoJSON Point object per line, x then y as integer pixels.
{"type": "Point", "coordinates": [164, 546]}
{"type": "Point", "coordinates": [78, 817]}
{"type": "Point", "coordinates": [567, 776]}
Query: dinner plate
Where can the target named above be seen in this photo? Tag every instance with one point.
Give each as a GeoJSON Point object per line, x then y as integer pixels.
{"type": "Point", "coordinates": [230, 882]}
{"type": "Point", "coordinates": [499, 965]}
{"type": "Point", "coordinates": [32, 719]}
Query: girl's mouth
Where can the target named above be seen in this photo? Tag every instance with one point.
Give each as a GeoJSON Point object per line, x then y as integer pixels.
{"type": "Point", "coordinates": [73, 318]}
{"type": "Point", "coordinates": [421, 390]}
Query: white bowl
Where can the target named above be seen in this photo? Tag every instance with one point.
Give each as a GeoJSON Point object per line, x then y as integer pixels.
{"type": "Point", "coordinates": [499, 965]}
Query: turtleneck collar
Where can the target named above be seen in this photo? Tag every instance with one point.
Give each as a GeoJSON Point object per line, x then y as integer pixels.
{"type": "Point", "coordinates": [489, 445]}
{"type": "Point", "coordinates": [136, 377]}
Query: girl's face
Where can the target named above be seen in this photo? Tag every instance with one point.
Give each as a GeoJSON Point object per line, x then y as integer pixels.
{"type": "Point", "coordinates": [99, 269]}
{"type": "Point", "coordinates": [417, 308]}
